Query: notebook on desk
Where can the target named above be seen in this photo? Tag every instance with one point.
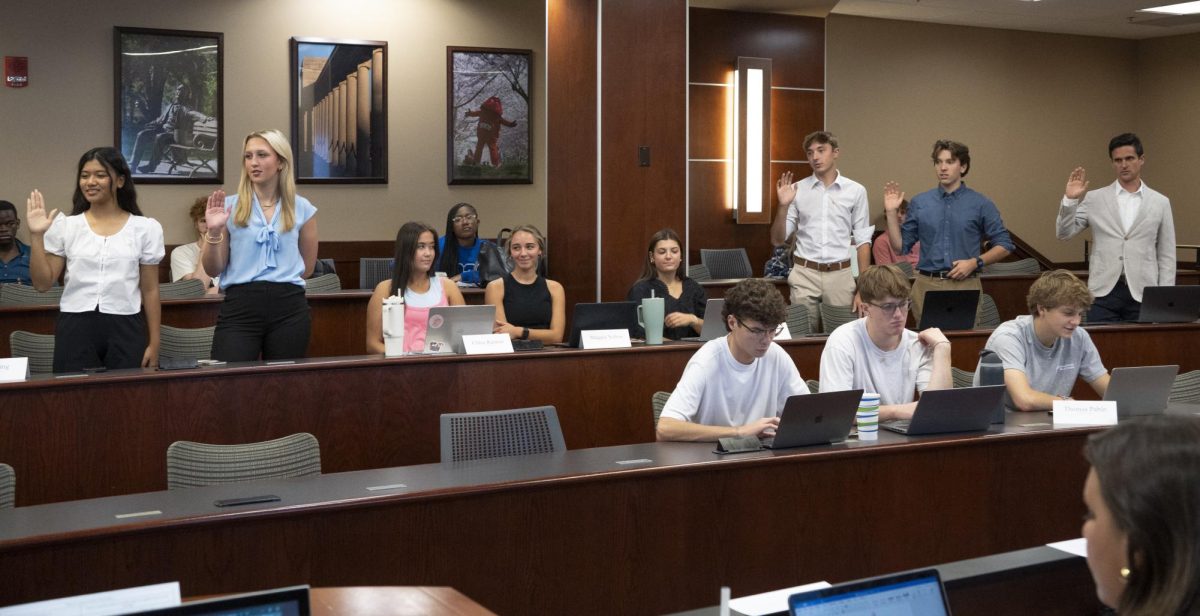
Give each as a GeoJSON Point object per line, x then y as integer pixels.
{"type": "Point", "coordinates": [961, 409]}
{"type": "Point", "coordinates": [714, 323]}
{"type": "Point", "coordinates": [949, 310]}
{"type": "Point", "coordinates": [815, 419]}
{"type": "Point", "coordinates": [1177, 304]}
{"type": "Point", "coordinates": [1142, 390]}
{"type": "Point", "coordinates": [914, 592]}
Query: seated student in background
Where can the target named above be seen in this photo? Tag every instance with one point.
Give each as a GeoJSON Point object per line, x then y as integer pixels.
{"type": "Point", "coordinates": [416, 251]}
{"type": "Point", "coordinates": [735, 385]}
{"type": "Point", "coordinates": [528, 306]}
{"type": "Point", "coordinates": [1044, 351]}
{"type": "Point", "coordinates": [662, 275]}
{"type": "Point", "coordinates": [462, 232]}
{"type": "Point", "coordinates": [1143, 515]}
{"type": "Point", "coordinates": [185, 258]}
{"type": "Point", "coordinates": [877, 354]}
{"type": "Point", "coordinates": [14, 255]}
{"type": "Point", "coordinates": [882, 251]}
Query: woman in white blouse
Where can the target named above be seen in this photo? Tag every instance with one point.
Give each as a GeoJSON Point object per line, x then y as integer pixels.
{"type": "Point", "coordinates": [111, 253]}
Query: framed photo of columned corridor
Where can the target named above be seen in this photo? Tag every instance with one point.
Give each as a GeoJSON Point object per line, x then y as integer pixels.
{"type": "Point", "coordinates": [488, 115]}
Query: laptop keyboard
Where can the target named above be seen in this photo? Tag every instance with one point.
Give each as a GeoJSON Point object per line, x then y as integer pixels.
{"type": "Point", "coordinates": [899, 425]}
{"type": "Point", "coordinates": [527, 345]}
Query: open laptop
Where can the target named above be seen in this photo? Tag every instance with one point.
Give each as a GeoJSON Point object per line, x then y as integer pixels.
{"type": "Point", "coordinates": [949, 310]}
{"type": "Point", "coordinates": [1178, 304]}
{"type": "Point", "coordinates": [448, 324]}
{"type": "Point", "coordinates": [1142, 390]}
{"type": "Point", "coordinates": [913, 592]}
{"type": "Point", "coordinates": [714, 323]}
{"type": "Point", "coordinates": [962, 409]}
{"type": "Point", "coordinates": [604, 315]}
{"type": "Point", "coordinates": [815, 419]}
{"type": "Point", "coordinates": [291, 601]}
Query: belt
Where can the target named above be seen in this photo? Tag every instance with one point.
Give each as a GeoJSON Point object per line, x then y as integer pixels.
{"type": "Point", "coordinates": [821, 267]}
{"type": "Point", "coordinates": [944, 274]}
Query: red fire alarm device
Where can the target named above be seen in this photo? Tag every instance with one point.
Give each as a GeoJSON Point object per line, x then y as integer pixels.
{"type": "Point", "coordinates": [16, 71]}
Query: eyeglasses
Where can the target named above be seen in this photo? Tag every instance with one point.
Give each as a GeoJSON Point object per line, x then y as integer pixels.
{"type": "Point", "coordinates": [466, 218]}
{"type": "Point", "coordinates": [759, 332]}
{"type": "Point", "coordinates": [11, 224]}
{"type": "Point", "coordinates": [894, 307]}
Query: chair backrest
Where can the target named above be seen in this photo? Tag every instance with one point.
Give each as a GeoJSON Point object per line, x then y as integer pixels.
{"type": "Point", "coordinates": [726, 262]}
{"type": "Point", "coordinates": [191, 465]}
{"type": "Point", "coordinates": [833, 317]}
{"type": "Point", "coordinates": [8, 487]}
{"type": "Point", "coordinates": [1021, 266]}
{"type": "Point", "coordinates": [699, 272]}
{"type": "Point", "coordinates": [989, 315]}
{"type": "Point", "coordinates": [183, 343]}
{"type": "Point", "coordinates": [905, 267]}
{"type": "Point", "coordinates": [327, 283]}
{"type": "Point", "coordinates": [373, 270]}
{"type": "Point", "coordinates": [1186, 387]}
{"type": "Point", "coordinates": [39, 348]}
{"type": "Point", "coordinates": [181, 289]}
{"type": "Point", "coordinates": [25, 295]}
{"type": "Point", "coordinates": [814, 386]}
{"type": "Point", "coordinates": [797, 320]}
{"type": "Point", "coordinates": [495, 434]}
{"type": "Point", "coordinates": [657, 402]}
{"type": "Point", "coordinates": [961, 378]}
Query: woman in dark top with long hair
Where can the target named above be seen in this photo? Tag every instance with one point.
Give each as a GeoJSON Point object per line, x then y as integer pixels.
{"type": "Point", "coordinates": [528, 306]}
{"type": "Point", "coordinates": [663, 274]}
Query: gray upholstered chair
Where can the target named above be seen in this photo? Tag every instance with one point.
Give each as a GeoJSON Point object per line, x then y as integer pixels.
{"type": "Point", "coordinates": [989, 315]}
{"type": "Point", "coordinates": [726, 263]}
{"type": "Point", "coordinates": [833, 317]}
{"type": "Point", "coordinates": [183, 343]}
{"type": "Point", "coordinates": [1010, 268]}
{"type": "Point", "coordinates": [8, 486]}
{"type": "Point", "coordinates": [797, 320]}
{"type": "Point", "coordinates": [657, 402]}
{"type": "Point", "coordinates": [25, 295]}
{"type": "Point", "coordinates": [495, 434]}
{"type": "Point", "coordinates": [814, 386]}
{"type": "Point", "coordinates": [961, 378]}
{"type": "Point", "coordinates": [191, 465]}
{"type": "Point", "coordinates": [326, 283]}
{"type": "Point", "coordinates": [1186, 387]}
{"type": "Point", "coordinates": [699, 272]}
{"type": "Point", "coordinates": [39, 348]}
{"type": "Point", "coordinates": [372, 271]}
{"type": "Point", "coordinates": [181, 289]}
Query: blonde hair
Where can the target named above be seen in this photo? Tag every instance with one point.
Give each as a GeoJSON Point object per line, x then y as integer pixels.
{"type": "Point", "coordinates": [287, 183]}
{"type": "Point", "coordinates": [880, 281]}
{"type": "Point", "coordinates": [1058, 288]}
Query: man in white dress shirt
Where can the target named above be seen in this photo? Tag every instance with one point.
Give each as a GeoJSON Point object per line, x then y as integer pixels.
{"type": "Point", "coordinates": [1133, 233]}
{"type": "Point", "coordinates": [829, 213]}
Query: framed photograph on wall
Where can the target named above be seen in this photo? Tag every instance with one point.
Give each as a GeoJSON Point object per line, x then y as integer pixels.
{"type": "Point", "coordinates": [488, 130]}
{"type": "Point", "coordinates": [168, 104]}
{"type": "Point", "coordinates": [339, 111]}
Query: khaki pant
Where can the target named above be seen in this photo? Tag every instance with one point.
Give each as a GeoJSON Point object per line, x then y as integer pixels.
{"type": "Point", "coordinates": [921, 284]}
{"type": "Point", "coordinates": [810, 287]}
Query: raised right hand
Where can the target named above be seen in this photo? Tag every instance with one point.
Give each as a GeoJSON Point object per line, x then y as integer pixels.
{"type": "Point", "coordinates": [785, 189]}
{"type": "Point", "coordinates": [1077, 184]}
{"type": "Point", "coordinates": [215, 216]}
{"type": "Point", "coordinates": [36, 218]}
{"type": "Point", "coordinates": [892, 197]}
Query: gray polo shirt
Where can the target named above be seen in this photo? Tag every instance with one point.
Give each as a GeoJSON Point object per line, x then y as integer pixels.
{"type": "Point", "coordinates": [1049, 369]}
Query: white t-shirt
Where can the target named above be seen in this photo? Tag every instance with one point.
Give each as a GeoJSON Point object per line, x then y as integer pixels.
{"type": "Point", "coordinates": [852, 361]}
{"type": "Point", "coordinates": [717, 390]}
{"type": "Point", "coordinates": [104, 271]}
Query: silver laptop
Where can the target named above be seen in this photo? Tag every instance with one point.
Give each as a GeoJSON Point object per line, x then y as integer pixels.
{"type": "Point", "coordinates": [448, 324]}
{"type": "Point", "coordinates": [815, 419]}
{"type": "Point", "coordinates": [961, 409]}
{"type": "Point", "coordinates": [714, 323]}
{"type": "Point", "coordinates": [913, 592]}
{"type": "Point", "coordinates": [1178, 304]}
{"type": "Point", "coordinates": [1142, 390]}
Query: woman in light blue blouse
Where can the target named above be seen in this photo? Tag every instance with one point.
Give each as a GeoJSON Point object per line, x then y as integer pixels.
{"type": "Point", "coordinates": [262, 243]}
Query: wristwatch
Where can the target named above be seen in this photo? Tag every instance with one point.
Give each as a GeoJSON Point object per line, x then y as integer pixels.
{"type": "Point", "coordinates": [978, 262]}
{"type": "Point", "coordinates": [524, 333]}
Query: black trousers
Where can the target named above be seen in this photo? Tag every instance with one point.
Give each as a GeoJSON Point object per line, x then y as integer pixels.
{"type": "Point", "coordinates": [270, 319]}
{"type": "Point", "coordinates": [1116, 307]}
{"type": "Point", "coordinates": [94, 339]}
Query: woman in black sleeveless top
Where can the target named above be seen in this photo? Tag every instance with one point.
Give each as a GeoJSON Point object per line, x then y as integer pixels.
{"type": "Point", "coordinates": [528, 306]}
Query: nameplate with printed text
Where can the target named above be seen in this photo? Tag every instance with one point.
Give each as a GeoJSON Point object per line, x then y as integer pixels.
{"type": "Point", "coordinates": [483, 344]}
{"type": "Point", "coordinates": [605, 339]}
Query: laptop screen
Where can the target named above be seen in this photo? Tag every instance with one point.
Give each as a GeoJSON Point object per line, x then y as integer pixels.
{"type": "Point", "coordinates": [904, 594]}
{"type": "Point", "coordinates": [291, 601]}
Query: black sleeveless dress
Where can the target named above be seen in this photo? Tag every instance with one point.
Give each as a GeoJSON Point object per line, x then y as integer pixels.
{"type": "Point", "coordinates": [527, 305]}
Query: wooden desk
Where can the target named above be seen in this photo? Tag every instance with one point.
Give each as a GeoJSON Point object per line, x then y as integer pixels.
{"type": "Point", "coordinates": [637, 529]}
{"type": "Point", "coordinates": [393, 601]}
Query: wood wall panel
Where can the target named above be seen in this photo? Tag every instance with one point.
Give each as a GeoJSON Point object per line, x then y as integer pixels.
{"type": "Point", "coordinates": [796, 46]}
{"type": "Point", "coordinates": [708, 122]}
{"type": "Point", "coordinates": [794, 114]}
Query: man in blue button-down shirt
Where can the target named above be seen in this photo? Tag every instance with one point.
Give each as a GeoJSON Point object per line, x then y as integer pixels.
{"type": "Point", "coordinates": [14, 255]}
{"type": "Point", "coordinates": [951, 222]}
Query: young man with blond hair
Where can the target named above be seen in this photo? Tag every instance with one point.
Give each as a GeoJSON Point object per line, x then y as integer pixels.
{"type": "Point", "coordinates": [1045, 351]}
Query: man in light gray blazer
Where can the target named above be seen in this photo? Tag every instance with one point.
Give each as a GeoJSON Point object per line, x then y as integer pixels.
{"type": "Point", "coordinates": [1133, 234]}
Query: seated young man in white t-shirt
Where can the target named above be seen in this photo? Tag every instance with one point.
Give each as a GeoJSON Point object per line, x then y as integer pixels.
{"type": "Point", "coordinates": [877, 354]}
{"type": "Point", "coordinates": [1045, 351]}
{"type": "Point", "coordinates": [735, 385]}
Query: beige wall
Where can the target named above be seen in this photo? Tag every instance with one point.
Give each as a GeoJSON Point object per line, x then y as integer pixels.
{"type": "Point", "coordinates": [68, 106]}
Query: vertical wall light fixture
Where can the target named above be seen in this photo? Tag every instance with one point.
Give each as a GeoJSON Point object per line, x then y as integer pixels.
{"type": "Point", "coordinates": [752, 149]}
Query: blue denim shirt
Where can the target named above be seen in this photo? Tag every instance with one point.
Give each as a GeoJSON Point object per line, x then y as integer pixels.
{"type": "Point", "coordinates": [17, 270]}
{"type": "Point", "coordinates": [950, 227]}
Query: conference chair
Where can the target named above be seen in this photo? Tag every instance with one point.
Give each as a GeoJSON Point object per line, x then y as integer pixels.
{"type": "Point", "coordinates": [1010, 268]}
{"type": "Point", "coordinates": [191, 465]}
{"type": "Point", "coordinates": [496, 434]}
{"type": "Point", "coordinates": [989, 314]}
{"type": "Point", "coordinates": [961, 378]}
{"type": "Point", "coordinates": [657, 402]}
{"type": "Point", "coordinates": [25, 295]}
{"type": "Point", "coordinates": [905, 267]}
{"type": "Point", "coordinates": [8, 486]}
{"type": "Point", "coordinates": [699, 272]}
{"type": "Point", "coordinates": [39, 348]}
{"type": "Point", "coordinates": [814, 386]}
{"type": "Point", "coordinates": [181, 289]}
{"type": "Point", "coordinates": [1186, 387]}
{"type": "Point", "coordinates": [326, 283]}
{"type": "Point", "coordinates": [725, 263]}
{"type": "Point", "coordinates": [797, 320]}
{"type": "Point", "coordinates": [834, 316]}
{"type": "Point", "coordinates": [372, 271]}
{"type": "Point", "coordinates": [185, 343]}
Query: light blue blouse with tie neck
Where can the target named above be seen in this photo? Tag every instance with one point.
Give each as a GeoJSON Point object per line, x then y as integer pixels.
{"type": "Point", "coordinates": [262, 251]}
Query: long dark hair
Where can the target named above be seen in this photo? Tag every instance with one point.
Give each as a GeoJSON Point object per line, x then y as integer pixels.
{"type": "Point", "coordinates": [449, 261]}
{"type": "Point", "coordinates": [1149, 472]}
{"type": "Point", "coordinates": [406, 247]}
{"type": "Point", "coordinates": [649, 272]}
{"type": "Point", "coordinates": [117, 168]}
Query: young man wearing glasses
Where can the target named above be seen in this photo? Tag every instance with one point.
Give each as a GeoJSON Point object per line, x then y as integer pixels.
{"type": "Point", "coordinates": [735, 385]}
{"type": "Point", "coordinates": [1044, 351]}
{"type": "Point", "coordinates": [878, 355]}
{"type": "Point", "coordinates": [14, 255]}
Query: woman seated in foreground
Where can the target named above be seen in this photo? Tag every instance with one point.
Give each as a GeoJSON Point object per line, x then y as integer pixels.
{"type": "Point", "coordinates": [416, 252]}
{"type": "Point", "coordinates": [663, 276]}
{"type": "Point", "coordinates": [528, 306]}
